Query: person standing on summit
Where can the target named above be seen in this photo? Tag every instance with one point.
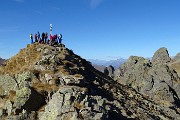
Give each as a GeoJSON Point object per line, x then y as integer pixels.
{"type": "Point", "coordinates": [38, 36]}
{"type": "Point", "coordinates": [60, 38]}
{"type": "Point", "coordinates": [35, 37]}
{"type": "Point", "coordinates": [31, 38]}
{"type": "Point", "coordinates": [46, 37]}
{"type": "Point", "coordinates": [43, 37]}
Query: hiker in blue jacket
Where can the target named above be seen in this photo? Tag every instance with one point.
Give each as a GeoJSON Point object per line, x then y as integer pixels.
{"type": "Point", "coordinates": [60, 38]}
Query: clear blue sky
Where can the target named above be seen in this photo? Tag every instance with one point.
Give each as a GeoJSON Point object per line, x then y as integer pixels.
{"type": "Point", "coordinates": [102, 29]}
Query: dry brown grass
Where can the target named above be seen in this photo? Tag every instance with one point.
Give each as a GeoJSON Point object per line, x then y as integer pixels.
{"type": "Point", "coordinates": [63, 70]}
{"type": "Point", "coordinates": [78, 105]}
{"type": "Point", "coordinates": [176, 66]}
{"type": "Point", "coordinates": [22, 60]}
{"type": "Point", "coordinates": [78, 76]}
{"type": "Point", "coordinates": [69, 64]}
{"type": "Point", "coordinates": [45, 87]}
{"type": "Point", "coordinates": [12, 95]}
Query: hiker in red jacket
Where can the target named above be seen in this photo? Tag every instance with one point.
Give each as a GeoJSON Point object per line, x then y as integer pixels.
{"type": "Point", "coordinates": [51, 37]}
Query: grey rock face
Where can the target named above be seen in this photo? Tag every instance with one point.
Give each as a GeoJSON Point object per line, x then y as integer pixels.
{"type": "Point", "coordinates": [109, 71]}
{"type": "Point", "coordinates": [70, 103]}
{"type": "Point", "coordinates": [161, 56]}
{"type": "Point", "coordinates": [59, 85]}
{"type": "Point", "coordinates": [2, 61]}
{"type": "Point", "coordinates": [177, 57]}
{"type": "Point", "coordinates": [155, 79]}
{"type": "Point", "coordinates": [7, 83]}
{"type": "Point", "coordinates": [132, 70]}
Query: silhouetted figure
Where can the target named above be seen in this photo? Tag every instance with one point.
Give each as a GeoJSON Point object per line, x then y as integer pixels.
{"type": "Point", "coordinates": [35, 37]}
{"type": "Point", "coordinates": [60, 38]}
{"type": "Point", "coordinates": [55, 38]}
{"type": "Point", "coordinates": [31, 38]}
{"type": "Point", "coordinates": [46, 37]}
{"type": "Point", "coordinates": [43, 37]}
{"type": "Point", "coordinates": [38, 36]}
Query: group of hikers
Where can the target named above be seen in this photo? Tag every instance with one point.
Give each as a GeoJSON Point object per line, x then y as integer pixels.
{"type": "Point", "coordinates": [43, 38]}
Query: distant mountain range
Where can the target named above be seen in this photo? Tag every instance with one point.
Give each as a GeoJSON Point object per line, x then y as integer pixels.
{"type": "Point", "coordinates": [114, 63]}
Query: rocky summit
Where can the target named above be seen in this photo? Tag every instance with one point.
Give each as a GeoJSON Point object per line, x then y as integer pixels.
{"type": "Point", "coordinates": [157, 79]}
{"type": "Point", "coordinates": [45, 82]}
{"type": "Point", "coordinates": [2, 61]}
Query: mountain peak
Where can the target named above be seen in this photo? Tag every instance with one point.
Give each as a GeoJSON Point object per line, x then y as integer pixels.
{"type": "Point", "coordinates": [51, 82]}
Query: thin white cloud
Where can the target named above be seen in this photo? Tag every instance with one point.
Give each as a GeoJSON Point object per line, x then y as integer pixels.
{"type": "Point", "coordinates": [9, 29]}
{"type": "Point", "coordinates": [56, 8]}
{"type": "Point", "coordinates": [95, 3]}
{"type": "Point", "coordinates": [113, 57]}
{"type": "Point", "coordinates": [18, 0]}
{"type": "Point", "coordinates": [37, 11]}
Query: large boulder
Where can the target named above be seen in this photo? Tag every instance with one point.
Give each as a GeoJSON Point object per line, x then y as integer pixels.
{"type": "Point", "coordinates": [7, 83]}
{"type": "Point", "coordinates": [161, 56]}
{"type": "Point", "coordinates": [152, 79]}
{"type": "Point", "coordinates": [131, 71]}
{"type": "Point", "coordinates": [176, 58]}
{"type": "Point", "coordinates": [109, 71]}
{"type": "Point", "coordinates": [73, 103]}
{"type": "Point", "coordinates": [2, 61]}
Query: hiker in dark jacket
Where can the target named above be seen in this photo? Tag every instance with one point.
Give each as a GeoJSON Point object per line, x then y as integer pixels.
{"type": "Point", "coordinates": [35, 37]}
{"type": "Point", "coordinates": [60, 38]}
{"type": "Point", "coordinates": [43, 37]}
{"type": "Point", "coordinates": [31, 38]}
{"type": "Point", "coordinates": [46, 37]}
{"type": "Point", "coordinates": [55, 38]}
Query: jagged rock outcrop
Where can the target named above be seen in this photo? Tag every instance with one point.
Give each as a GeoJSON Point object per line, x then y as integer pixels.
{"type": "Point", "coordinates": [155, 78]}
{"type": "Point", "coordinates": [52, 83]}
{"type": "Point", "coordinates": [161, 56]}
{"type": "Point", "coordinates": [99, 67]}
{"type": "Point", "coordinates": [175, 63]}
{"type": "Point", "coordinates": [109, 71]}
{"type": "Point", "coordinates": [2, 61]}
{"type": "Point", "coordinates": [176, 58]}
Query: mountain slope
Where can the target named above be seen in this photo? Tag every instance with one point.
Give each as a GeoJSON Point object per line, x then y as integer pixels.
{"type": "Point", "coordinates": [155, 78]}
{"type": "Point", "coordinates": [51, 82]}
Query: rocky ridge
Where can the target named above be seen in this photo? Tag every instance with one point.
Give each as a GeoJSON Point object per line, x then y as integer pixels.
{"type": "Point", "coordinates": [51, 83]}
{"type": "Point", "coordinates": [155, 78]}
{"type": "Point", "coordinates": [2, 61]}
